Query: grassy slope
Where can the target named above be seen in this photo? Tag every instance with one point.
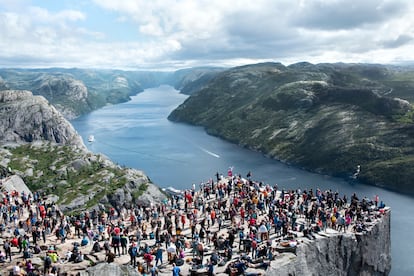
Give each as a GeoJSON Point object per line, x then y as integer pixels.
{"type": "Point", "coordinates": [68, 173]}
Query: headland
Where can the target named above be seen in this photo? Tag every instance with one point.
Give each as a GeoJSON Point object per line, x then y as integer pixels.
{"type": "Point", "coordinates": [228, 225]}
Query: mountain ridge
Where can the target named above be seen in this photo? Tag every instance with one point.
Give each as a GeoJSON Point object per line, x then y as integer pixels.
{"type": "Point", "coordinates": [75, 91]}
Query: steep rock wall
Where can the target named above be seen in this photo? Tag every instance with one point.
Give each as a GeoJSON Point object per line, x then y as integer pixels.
{"type": "Point", "coordinates": [27, 118]}
{"type": "Point", "coordinates": [340, 254]}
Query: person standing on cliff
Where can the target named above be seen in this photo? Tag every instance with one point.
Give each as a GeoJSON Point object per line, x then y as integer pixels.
{"type": "Point", "coordinates": [133, 252]}
{"type": "Point", "coordinates": [158, 255]}
{"type": "Point", "coordinates": [323, 219]}
{"type": "Point", "coordinates": [7, 249]}
{"type": "Point", "coordinates": [210, 268]}
{"type": "Point", "coordinates": [124, 242]}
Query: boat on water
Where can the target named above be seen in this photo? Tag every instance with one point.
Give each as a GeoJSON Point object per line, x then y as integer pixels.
{"type": "Point", "coordinates": [91, 138]}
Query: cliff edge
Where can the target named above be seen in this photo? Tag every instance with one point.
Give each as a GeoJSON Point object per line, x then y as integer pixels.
{"type": "Point", "coordinates": [348, 254]}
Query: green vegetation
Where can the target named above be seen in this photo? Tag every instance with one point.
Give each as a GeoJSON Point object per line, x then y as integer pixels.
{"type": "Point", "coordinates": [407, 118]}
{"type": "Point", "coordinates": [67, 173]}
{"type": "Point", "coordinates": [326, 118]}
{"type": "Point", "coordinates": [141, 190]}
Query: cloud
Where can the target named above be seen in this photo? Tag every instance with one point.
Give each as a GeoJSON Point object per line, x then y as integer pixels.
{"type": "Point", "coordinates": [345, 14]}
{"type": "Point", "coordinates": [397, 42]}
{"type": "Point", "coordinates": [195, 33]}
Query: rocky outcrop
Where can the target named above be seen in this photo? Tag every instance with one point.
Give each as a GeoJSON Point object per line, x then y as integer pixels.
{"type": "Point", "coordinates": [128, 194]}
{"type": "Point", "coordinates": [15, 183]}
{"type": "Point", "coordinates": [42, 147]}
{"type": "Point", "coordinates": [27, 118]}
{"type": "Point", "coordinates": [350, 254]}
{"type": "Point", "coordinates": [131, 186]}
{"type": "Point", "coordinates": [111, 269]}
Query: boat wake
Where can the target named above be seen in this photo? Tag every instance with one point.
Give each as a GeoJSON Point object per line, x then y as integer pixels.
{"type": "Point", "coordinates": [210, 153]}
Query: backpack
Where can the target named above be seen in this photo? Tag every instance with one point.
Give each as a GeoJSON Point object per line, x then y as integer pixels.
{"type": "Point", "coordinates": [254, 244]}
{"type": "Point", "coordinates": [134, 251]}
{"type": "Point", "coordinates": [48, 261]}
{"type": "Point", "coordinates": [6, 245]}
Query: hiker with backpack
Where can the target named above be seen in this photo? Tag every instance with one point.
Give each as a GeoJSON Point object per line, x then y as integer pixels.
{"type": "Point", "coordinates": [133, 252]}
{"type": "Point", "coordinates": [47, 264]}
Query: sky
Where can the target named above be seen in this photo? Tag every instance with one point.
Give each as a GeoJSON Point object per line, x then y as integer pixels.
{"type": "Point", "coordinates": [175, 34]}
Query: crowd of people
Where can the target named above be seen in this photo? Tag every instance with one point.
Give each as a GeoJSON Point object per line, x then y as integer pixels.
{"type": "Point", "coordinates": [228, 221]}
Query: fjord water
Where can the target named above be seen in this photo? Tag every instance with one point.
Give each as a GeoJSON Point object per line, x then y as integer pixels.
{"type": "Point", "coordinates": [137, 134]}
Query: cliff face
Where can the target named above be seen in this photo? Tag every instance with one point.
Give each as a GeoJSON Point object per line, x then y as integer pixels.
{"type": "Point", "coordinates": [341, 254]}
{"type": "Point", "coordinates": [68, 95]}
{"type": "Point", "coordinates": [27, 118]}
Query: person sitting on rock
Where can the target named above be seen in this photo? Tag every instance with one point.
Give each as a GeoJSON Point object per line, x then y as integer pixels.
{"type": "Point", "coordinates": [68, 256]}
{"type": "Point", "coordinates": [96, 247]}
{"type": "Point", "coordinates": [110, 257]}
{"type": "Point", "coordinates": [16, 269]}
{"type": "Point", "coordinates": [2, 257]}
{"type": "Point", "coordinates": [79, 257]}
{"type": "Point", "coordinates": [29, 267]}
{"type": "Point", "coordinates": [37, 249]}
{"type": "Point", "coordinates": [84, 241]}
{"type": "Point", "coordinates": [75, 247]}
{"type": "Point", "coordinates": [26, 253]}
{"type": "Point", "coordinates": [54, 256]}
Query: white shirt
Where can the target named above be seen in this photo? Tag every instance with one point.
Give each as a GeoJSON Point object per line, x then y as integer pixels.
{"type": "Point", "coordinates": [16, 270]}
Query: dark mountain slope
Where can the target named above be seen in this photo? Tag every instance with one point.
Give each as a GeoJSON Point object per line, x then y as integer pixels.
{"type": "Point", "coordinates": [327, 118]}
